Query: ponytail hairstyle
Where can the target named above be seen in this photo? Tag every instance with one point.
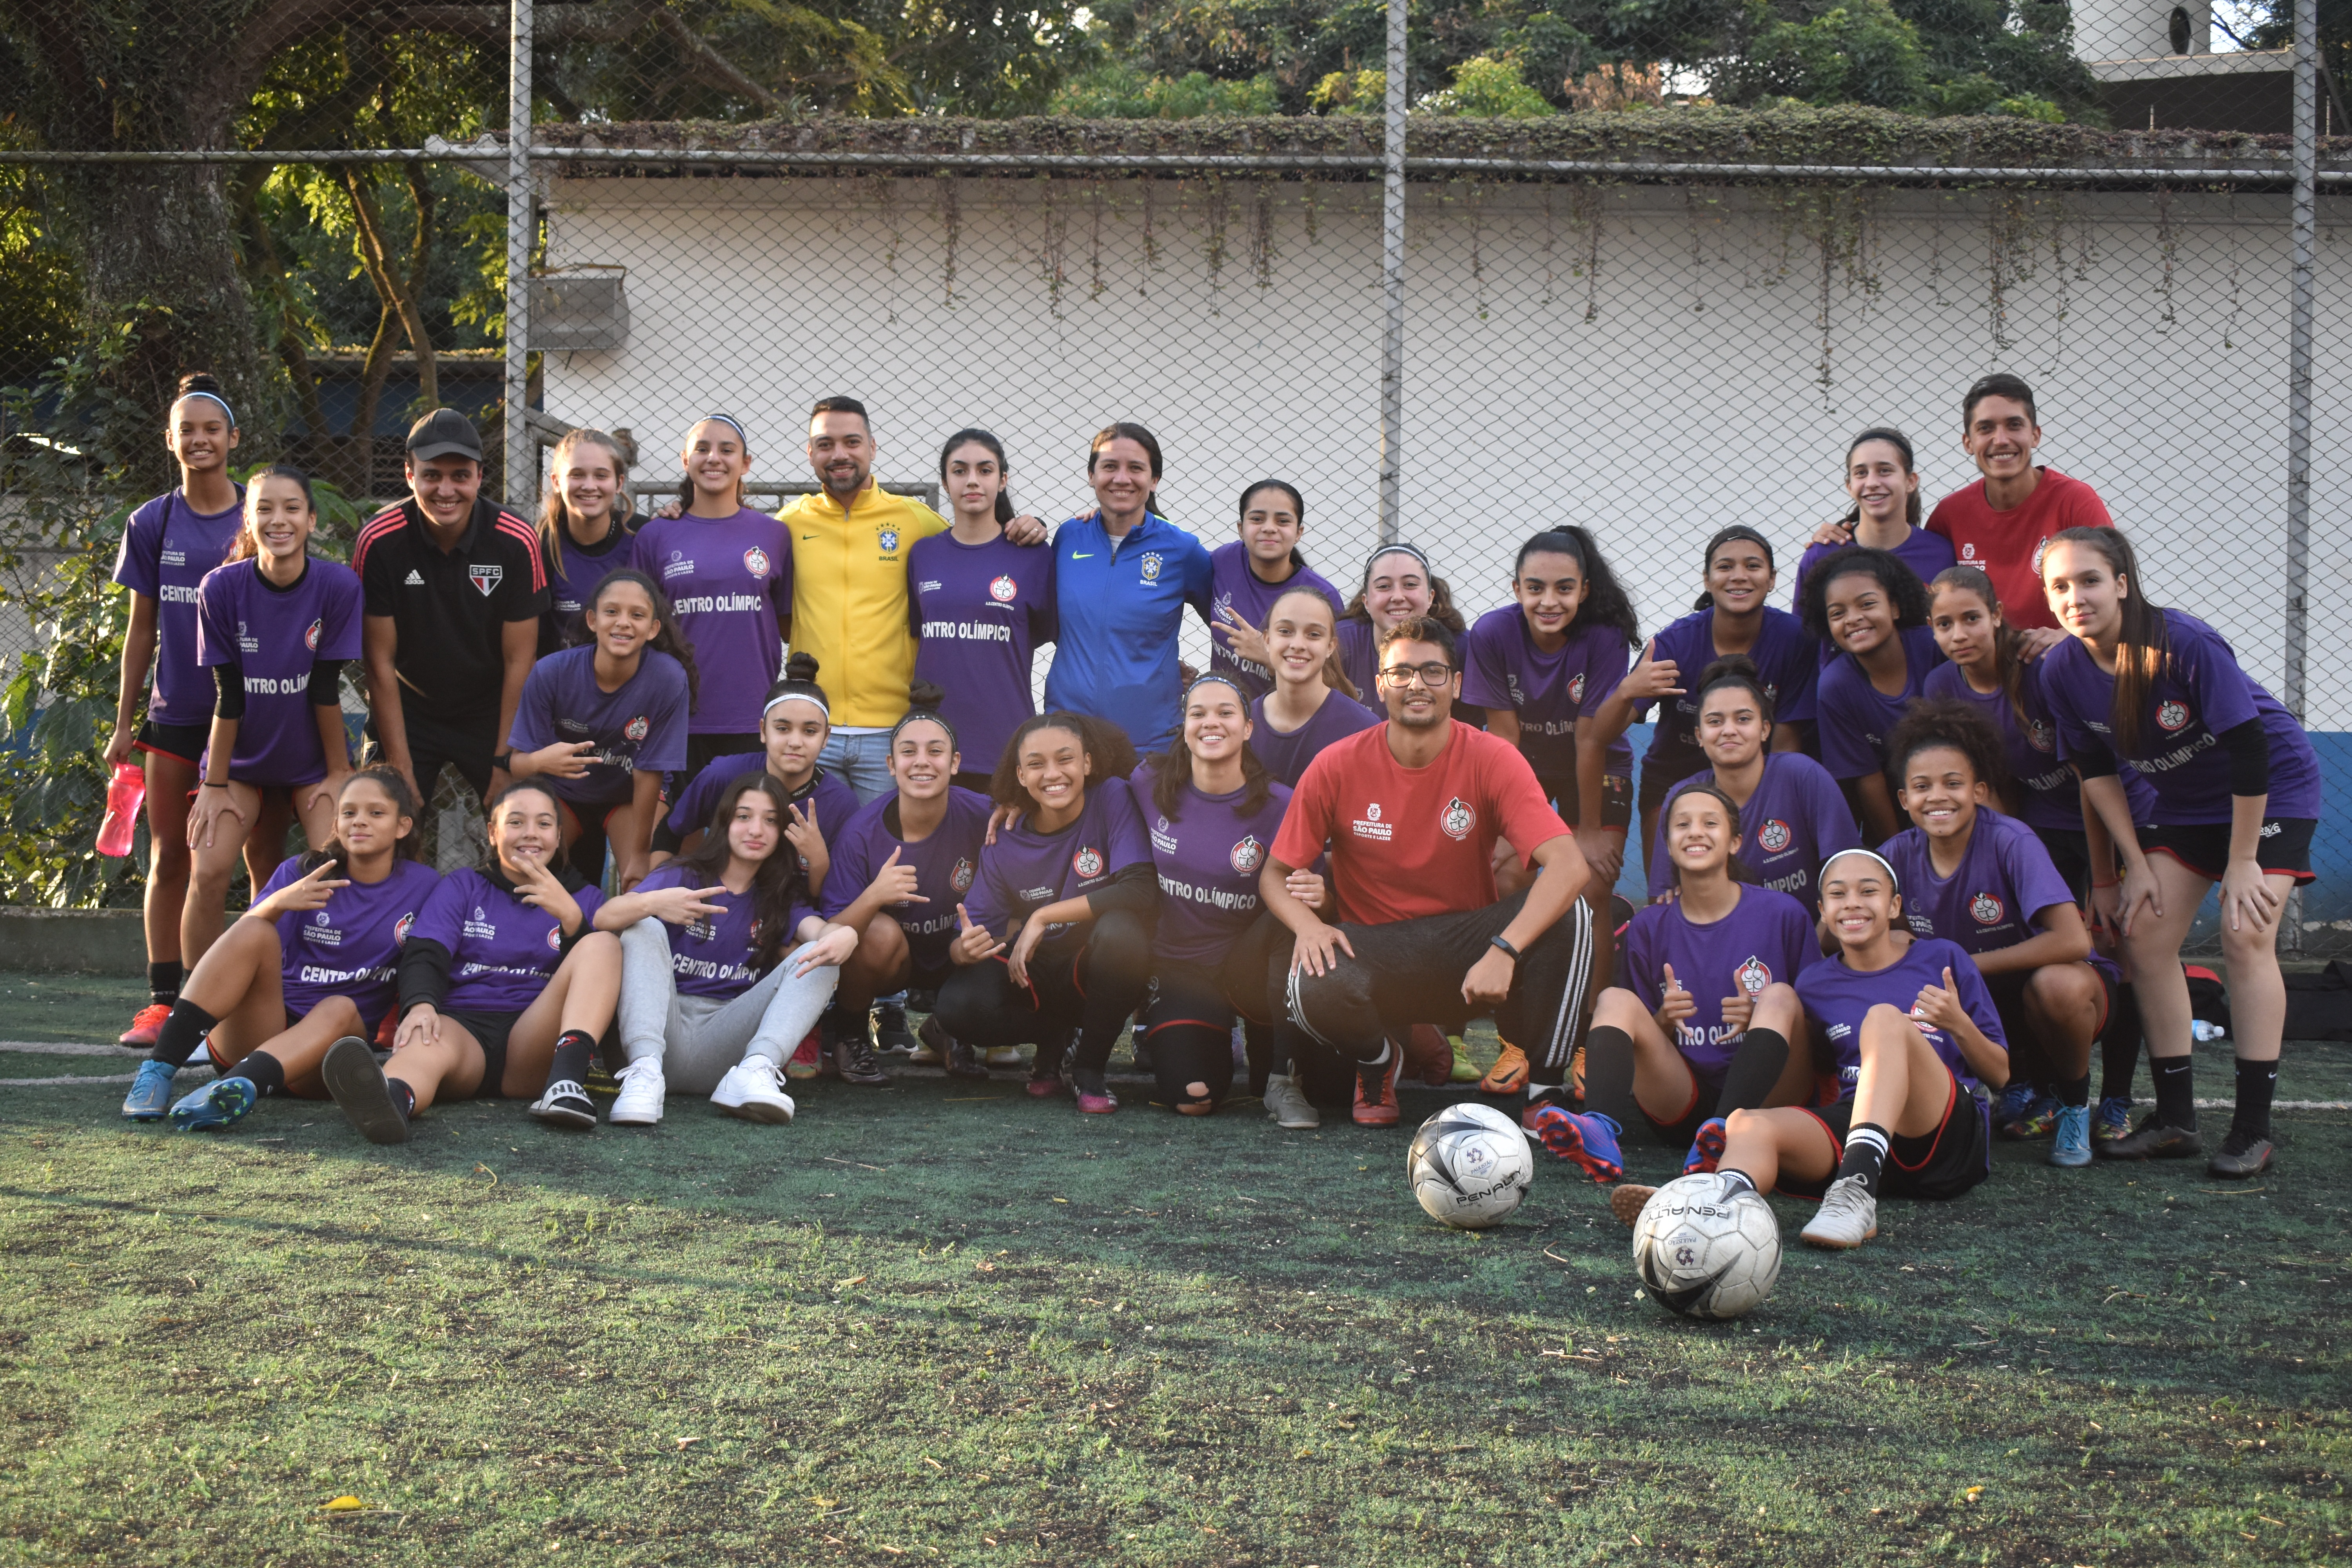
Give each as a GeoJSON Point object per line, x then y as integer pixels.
{"type": "Point", "coordinates": [246, 546]}
{"type": "Point", "coordinates": [1605, 601]}
{"type": "Point", "coordinates": [1334, 675]}
{"type": "Point", "coordinates": [1723, 536]}
{"type": "Point", "coordinates": [1174, 768]}
{"type": "Point", "coordinates": [2143, 644]}
{"type": "Point", "coordinates": [1903, 589]}
{"type": "Point", "coordinates": [1948, 721]}
{"type": "Point", "coordinates": [923, 699]}
{"type": "Point", "coordinates": [203, 383]}
{"type": "Point", "coordinates": [1119, 429]}
{"type": "Point", "coordinates": [556, 863]}
{"type": "Point", "coordinates": [1902, 444]}
{"type": "Point", "coordinates": [799, 680]}
{"type": "Point", "coordinates": [1441, 597]}
{"type": "Point", "coordinates": [776, 885]}
{"type": "Point", "coordinates": [1732, 867]}
{"type": "Point", "coordinates": [978, 437]}
{"type": "Point", "coordinates": [1297, 507]}
{"type": "Point", "coordinates": [669, 640]}
{"type": "Point", "coordinates": [404, 804]}
{"type": "Point", "coordinates": [1106, 746]}
{"type": "Point", "coordinates": [1735, 669]}
{"type": "Point", "coordinates": [2008, 665]}
{"type": "Point", "coordinates": [685, 481]}
{"type": "Point", "coordinates": [554, 517]}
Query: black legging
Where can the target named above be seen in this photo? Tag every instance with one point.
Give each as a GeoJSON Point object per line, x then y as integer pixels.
{"type": "Point", "coordinates": [1189, 1018]}
{"type": "Point", "coordinates": [1088, 979]}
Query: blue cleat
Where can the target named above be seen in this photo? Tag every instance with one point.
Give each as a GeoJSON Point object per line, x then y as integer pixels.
{"type": "Point", "coordinates": [2112, 1120]}
{"type": "Point", "coordinates": [220, 1103]}
{"type": "Point", "coordinates": [2072, 1147]}
{"type": "Point", "coordinates": [151, 1092]}
{"type": "Point", "coordinates": [1707, 1148]}
{"type": "Point", "coordinates": [2016, 1101]}
{"type": "Point", "coordinates": [1588, 1137]}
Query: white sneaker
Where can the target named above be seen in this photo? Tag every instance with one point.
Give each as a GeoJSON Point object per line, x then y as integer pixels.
{"type": "Point", "coordinates": [1288, 1105]}
{"type": "Point", "coordinates": [1848, 1215]}
{"type": "Point", "coordinates": [639, 1103]}
{"type": "Point", "coordinates": [754, 1091]}
{"type": "Point", "coordinates": [1006, 1057]}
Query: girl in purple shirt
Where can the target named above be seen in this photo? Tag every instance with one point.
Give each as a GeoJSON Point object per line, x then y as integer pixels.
{"type": "Point", "coordinates": [1885, 485]}
{"type": "Point", "coordinates": [1874, 610]}
{"type": "Point", "coordinates": [1248, 576]}
{"type": "Point", "coordinates": [1701, 1018]}
{"type": "Point", "coordinates": [794, 724]}
{"type": "Point", "coordinates": [586, 529]}
{"type": "Point", "coordinates": [1398, 585]}
{"type": "Point", "coordinates": [275, 626]}
{"type": "Point", "coordinates": [167, 547]}
{"type": "Point", "coordinates": [1055, 940]}
{"type": "Point", "coordinates": [505, 986]}
{"type": "Point", "coordinates": [2236, 798]}
{"type": "Point", "coordinates": [1984, 881]}
{"type": "Point", "coordinates": [1313, 703]}
{"type": "Point", "coordinates": [314, 960]}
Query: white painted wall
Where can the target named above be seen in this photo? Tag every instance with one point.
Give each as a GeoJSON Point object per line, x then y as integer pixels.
{"type": "Point", "coordinates": [2136, 29]}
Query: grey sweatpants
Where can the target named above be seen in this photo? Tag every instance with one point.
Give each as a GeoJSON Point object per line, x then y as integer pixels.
{"type": "Point", "coordinates": [698, 1038]}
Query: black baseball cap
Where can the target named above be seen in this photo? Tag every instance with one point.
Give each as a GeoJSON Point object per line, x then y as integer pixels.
{"type": "Point", "coordinates": [445, 433]}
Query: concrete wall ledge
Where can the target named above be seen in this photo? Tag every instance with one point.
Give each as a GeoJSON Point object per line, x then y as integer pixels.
{"type": "Point", "coordinates": [72, 941]}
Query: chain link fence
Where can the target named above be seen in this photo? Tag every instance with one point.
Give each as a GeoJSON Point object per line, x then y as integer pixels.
{"type": "Point", "coordinates": [1654, 318]}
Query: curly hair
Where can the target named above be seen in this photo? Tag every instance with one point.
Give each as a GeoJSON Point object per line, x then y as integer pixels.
{"type": "Point", "coordinates": [1948, 723]}
{"type": "Point", "coordinates": [1106, 746]}
{"type": "Point", "coordinates": [1903, 589]}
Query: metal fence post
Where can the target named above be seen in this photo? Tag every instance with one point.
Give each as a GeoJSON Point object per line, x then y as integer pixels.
{"type": "Point", "coordinates": [1393, 284]}
{"type": "Point", "coordinates": [2298, 390]}
{"type": "Point", "coordinates": [522, 461]}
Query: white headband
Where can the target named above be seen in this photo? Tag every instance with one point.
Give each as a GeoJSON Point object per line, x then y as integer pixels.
{"type": "Point", "coordinates": [215, 397]}
{"type": "Point", "coordinates": [1893, 880]}
{"type": "Point", "coordinates": [808, 697]}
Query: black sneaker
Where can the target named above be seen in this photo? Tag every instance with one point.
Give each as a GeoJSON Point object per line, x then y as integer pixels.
{"type": "Point", "coordinates": [961, 1061]}
{"type": "Point", "coordinates": [364, 1093]}
{"type": "Point", "coordinates": [2241, 1153]}
{"type": "Point", "coordinates": [853, 1058]}
{"type": "Point", "coordinates": [1046, 1077]}
{"type": "Point", "coordinates": [890, 1031]}
{"type": "Point", "coordinates": [2152, 1140]}
{"type": "Point", "coordinates": [919, 1001]}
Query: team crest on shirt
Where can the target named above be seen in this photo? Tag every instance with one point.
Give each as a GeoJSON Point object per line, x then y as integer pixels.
{"type": "Point", "coordinates": [2038, 736]}
{"type": "Point", "coordinates": [1457, 819]}
{"type": "Point", "coordinates": [2171, 716]}
{"type": "Point", "coordinates": [1986, 909]}
{"type": "Point", "coordinates": [889, 540]}
{"type": "Point", "coordinates": [755, 562]}
{"type": "Point", "coordinates": [1576, 687]}
{"type": "Point", "coordinates": [555, 938]}
{"type": "Point", "coordinates": [961, 878]}
{"type": "Point", "coordinates": [1753, 977]}
{"type": "Point", "coordinates": [310, 637]}
{"type": "Point", "coordinates": [1151, 566]}
{"type": "Point", "coordinates": [1002, 589]}
{"type": "Point", "coordinates": [1774, 836]}
{"type": "Point", "coordinates": [635, 728]}
{"type": "Point", "coordinates": [1088, 863]}
{"type": "Point", "coordinates": [400, 928]}
{"type": "Point", "coordinates": [1248, 855]}
{"type": "Point", "coordinates": [484, 578]}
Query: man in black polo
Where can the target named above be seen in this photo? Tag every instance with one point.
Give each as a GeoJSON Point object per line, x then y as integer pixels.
{"type": "Point", "coordinates": [455, 588]}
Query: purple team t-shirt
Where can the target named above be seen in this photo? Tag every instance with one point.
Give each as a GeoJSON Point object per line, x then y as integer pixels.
{"type": "Point", "coordinates": [1503, 669]}
{"type": "Point", "coordinates": [1233, 587]}
{"type": "Point", "coordinates": [1856, 717]}
{"type": "Point", "coordinates": [1926, 554]}
{"type": "Point", "coordinates": [2004, 876]}
{"type": "Point", "coordinates": [1358, 657]}
{"type": "Point", "coordinates": [834, 801]}
{"type": "Point", "coordinates": [979, 612]}
{"type": "Point", "coordinates": [640, 726]}
{"type": "Point", "coordinates": [1287, 756]}
{"type": "Point", "coordinates": [945, 863]}
{"type": "Point", "coordinates": [573, 570]}
{"type": "Point", "coordinates": [350, 945]}
{"type": "Point", "coordinates": [273, 636]}
{"type": "Point", "coordinates": [2200, 692]}
{"type": "Point", "coordinates": [1025, 870]}
{"type": "Point", "coordinates": [1207, 857]}
{"type": "Point", "coordinates": [1837, 999]}
{"type": "Point", "coordinates": [167, 548]}
{"type": "Point", "coordinates": [730, 581]}
{"type": "Point", "coordinates": [712, 956]}
{"type": "Point", "coordinates": [1767, 937]}
{"type": "Point", "coordinates": [503, 951]}
{"type": "Point", "coordinates": [2051, 797]}
{"type": "Point", "coordinates": [1784, 657]}
{"type": "Point", "coordinates": [1796, 819]}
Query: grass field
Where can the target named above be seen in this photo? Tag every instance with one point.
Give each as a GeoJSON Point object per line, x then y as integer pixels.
{"type": "Point", "coordinates": [942, 1322]}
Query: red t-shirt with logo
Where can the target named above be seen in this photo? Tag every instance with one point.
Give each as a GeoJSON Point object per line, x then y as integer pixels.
{"type": "Point", "coordinates": [1408, 842]}
{"type": "Point", "coordinates": [2007, 545]}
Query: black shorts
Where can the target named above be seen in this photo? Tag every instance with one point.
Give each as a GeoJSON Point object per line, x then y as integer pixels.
{"type": "Point", "coordinates": [1938, 1165]}
{"type": "Point", "coordinates": [2008, 992]}
{"type": "Point", "coordinates": [1706, 1090]}
{"type": "Point", "coordinates": [466, 744]}
{"type": "Point", "coordinates": [1661, 773]}
{"type": "Point", "coordinates": [2070, 852]}
{"type": "Point", "coordinates": [1616, 801]}
{"type": "Point", "coordinates": [2204, 847]}
{"type": "Point", "coordinates": [489, 1031]}
{"type": "Point", "coordinates": [186, 741]}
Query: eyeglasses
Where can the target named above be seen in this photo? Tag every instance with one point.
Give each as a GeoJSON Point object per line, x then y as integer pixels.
{"type": "Point", "coordinates": [1431, 675]}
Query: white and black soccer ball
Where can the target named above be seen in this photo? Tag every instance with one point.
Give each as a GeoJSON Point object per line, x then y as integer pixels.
{"type": "Point", "coordinates": [1707, 1247]}
{"type": "Point", "coordinates": [1469, 1166]}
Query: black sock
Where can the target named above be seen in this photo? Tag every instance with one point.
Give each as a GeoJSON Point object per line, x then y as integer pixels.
{"type": "Point", "coordinates": [2256, 1083]}
{"type": "Point", "coordinates": [1609, 1074]}
{"type": "Point", "coordinates": [402, 1096]}
{"type": "Point", "coordinates": [2119, 1046]}
{"type": "Point", "coordinates": [1373, 1071]}
{"type": "Point", "coordinates": [164, 982]}
{"type": "Point", "coordinates": [2075, 1091]}
{"type": "Point", "coordinates": [1755, 1069]}
{"type": "Point", "coordinates": [2176, 1092]}
{"type": "Point", "coordinates": [1865, 1155]}
{"type": "Point", "coordinates": [574, 1048]}
{"type": "Point", "coordinates": [1740, 1177]}
{"type": "Point", "coordinates": [182, 1033]}
{"type": "Point", "coordinates": [264, 1071]}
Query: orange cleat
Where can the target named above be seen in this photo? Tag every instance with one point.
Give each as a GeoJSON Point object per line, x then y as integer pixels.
{"type": "Point", "coordinates": [1376, 1103]}
{"type": "Point", "coordinates": [145, 1025]}
{"type": "Point", "coordinates": [1509, 1073]}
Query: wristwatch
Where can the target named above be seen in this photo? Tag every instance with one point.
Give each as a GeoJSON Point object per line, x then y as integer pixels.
{"type": "Point", "coordinates": [504, 762]}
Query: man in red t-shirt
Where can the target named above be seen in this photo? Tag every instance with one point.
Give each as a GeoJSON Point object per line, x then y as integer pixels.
{"type": "Point", "coordinates": [2005, 520]}
{"type": "Point", "coordinates": [1411, 811]}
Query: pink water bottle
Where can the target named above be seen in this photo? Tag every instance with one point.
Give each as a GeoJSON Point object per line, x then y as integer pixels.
{"type": "Point", "coordinates": [124, 798]}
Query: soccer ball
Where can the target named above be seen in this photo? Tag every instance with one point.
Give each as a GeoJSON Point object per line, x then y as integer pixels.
{"type": "Point", "coordinates": [1469, 1166]}
{"type": "Point", "coordinates": [1706, 1247]}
